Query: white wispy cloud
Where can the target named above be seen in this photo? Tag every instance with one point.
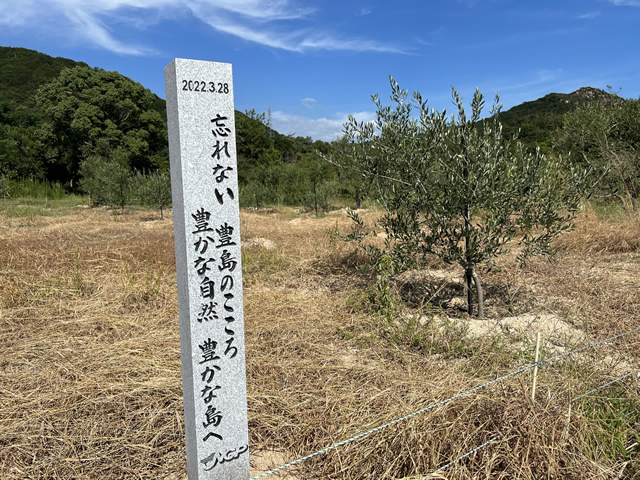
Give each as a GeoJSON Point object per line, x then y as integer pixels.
{"type": "Point", "coordinates": [89, 27]}
{"type": "Point", "coordinates": [17, 15]}
{"type": "Point", "coordinates": [538, 78]}
{"type": "Point", "coordinates": [264, 10]}
{"type": "Point", "coordinates": [327, 129]}
{"type": "Point", "coordinates": [422, 41]}
{"type": "Point", "coordinates": [82, 20]}
{"type": "Point", "coordinates": [626, 3]}
{"type": "Point", "coordinates": [272, 23]}
{"type": "Point", "coordinates": [364, 11]}
{"type": "Point", "coordinates": [309, 102]}
{"type": "Point", "coordinates": [589, 15]}
{"type": "Point", "coordinates": [325, 42]}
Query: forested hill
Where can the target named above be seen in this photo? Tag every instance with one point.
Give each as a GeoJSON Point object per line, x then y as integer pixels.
{"type": "Point", "coordinates": [537, 119]}
{"type": "Point", "coordinates": [22, 71]}
{"type": "Point", "coordinates": [55, 112]}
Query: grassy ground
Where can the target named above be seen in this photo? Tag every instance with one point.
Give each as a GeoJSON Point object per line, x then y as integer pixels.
{"type": "Point", "coordinates": [90, 370]}
{"type": "Point", "coordinates": [26, 208]}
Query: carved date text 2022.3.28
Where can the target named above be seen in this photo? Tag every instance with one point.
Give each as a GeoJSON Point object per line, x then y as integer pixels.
{"type": "Point", "coordinates": [202, 86]}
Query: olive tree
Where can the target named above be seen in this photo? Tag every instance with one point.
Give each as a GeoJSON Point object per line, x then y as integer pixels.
{"type": "Point", "coordinates": [350, 180]}
{"type": "Point", "coordinates": [107, 178]}
{"type": "Point", "coordinates": [154, 190]}
{"type": "Point", "coordinates": [456, 188]}
{"type": "Point", "coordinates": [4, 186]}
{"type": "Point", "coordinates": [606, 134]}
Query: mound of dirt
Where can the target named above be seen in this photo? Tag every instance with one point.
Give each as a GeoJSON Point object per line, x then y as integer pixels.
{"type": "Point", "coordinates": [554, 330]}
{"type": "Point", "coordinates": [260, 243]}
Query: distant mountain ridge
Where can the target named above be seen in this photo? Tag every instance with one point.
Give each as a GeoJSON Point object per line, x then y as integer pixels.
{"type": "Point", "coordinates": [23, 71]}
{"type": "Point", "coordinates": [537, 119]}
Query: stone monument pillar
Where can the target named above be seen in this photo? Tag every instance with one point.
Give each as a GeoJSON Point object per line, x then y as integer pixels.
{"type": "Point", "coordinates": [204, 184]}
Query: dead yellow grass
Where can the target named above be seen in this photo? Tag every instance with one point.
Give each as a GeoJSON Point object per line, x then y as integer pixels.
{"type": "Point", "coordinates": [594, 235]}
{"type": "Point", "coordinates": [90, 370]}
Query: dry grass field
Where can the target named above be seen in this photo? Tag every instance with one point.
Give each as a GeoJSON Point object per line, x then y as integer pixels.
{"type": "Point", "coordinates": [90, 382]}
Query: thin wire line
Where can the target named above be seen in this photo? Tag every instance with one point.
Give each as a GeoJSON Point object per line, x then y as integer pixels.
{"type": "Point", "coordinates": [443, 402]}
{"type": "Point", "coordinates": [602, 386]}
{"type": "Point", "coordinates": [470, 452]}
{"type": "Point", "coordinates": [497, 436]}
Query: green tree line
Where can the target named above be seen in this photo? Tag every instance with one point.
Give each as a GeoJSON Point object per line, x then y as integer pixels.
{"type": "Point", "coordinates": [67, 123]}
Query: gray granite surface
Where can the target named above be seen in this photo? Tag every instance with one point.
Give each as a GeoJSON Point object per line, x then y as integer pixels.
{"type": "Point", "coordinates": [204, 181]}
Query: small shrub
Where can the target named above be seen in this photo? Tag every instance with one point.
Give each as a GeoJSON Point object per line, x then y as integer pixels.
{"type": "Point", "coordinates": [26, 188]}
{"type": "Point", "coordinates": [154, 190]}
{"type": "Point", "coordinates": [4, 187]}
{"type": "Point", "coordinates": [107, 179]}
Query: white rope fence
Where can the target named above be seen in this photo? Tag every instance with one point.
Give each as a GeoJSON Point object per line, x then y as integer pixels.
{"type": "Point", "coordinates": [456, 397]}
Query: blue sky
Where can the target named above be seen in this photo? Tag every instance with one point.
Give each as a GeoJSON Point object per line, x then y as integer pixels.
{"type": "Point", "coordinates": [313, 63]}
